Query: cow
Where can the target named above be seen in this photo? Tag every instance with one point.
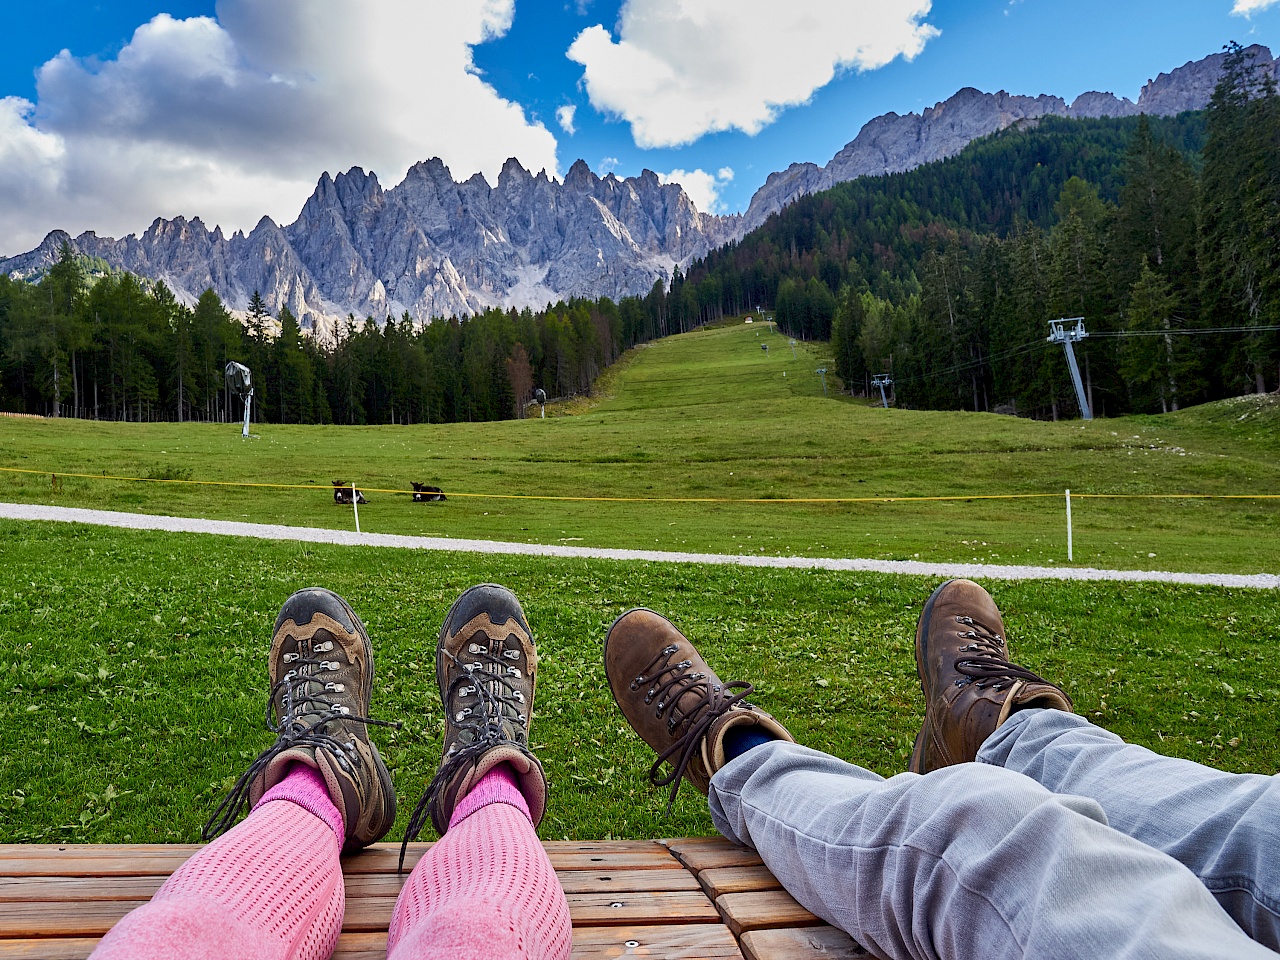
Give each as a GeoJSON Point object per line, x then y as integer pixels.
{"type": "Point", "coordinates": [342, 493]}
{"type": "Point", "coordinates": [426, 494]}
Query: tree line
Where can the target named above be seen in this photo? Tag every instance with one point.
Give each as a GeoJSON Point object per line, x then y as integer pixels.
{"type": "Point", "coordinates": [1162, 233]}
{"type": "Point", "coordinates": [89, 342]}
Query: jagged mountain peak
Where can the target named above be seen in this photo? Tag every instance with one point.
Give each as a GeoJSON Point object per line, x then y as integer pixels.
{"type": "Point", "coordinates": [892, 143]}
{"type": "Point", "coordinates": [431, 246]}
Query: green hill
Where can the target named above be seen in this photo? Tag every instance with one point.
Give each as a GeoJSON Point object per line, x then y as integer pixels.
{"type": "Point", "coordinates": [710, 415]}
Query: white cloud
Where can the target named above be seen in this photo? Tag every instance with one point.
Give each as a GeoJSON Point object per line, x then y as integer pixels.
{"type": "Point", "coordinates": [683, 68]}
{"type": "Point", "coordinates": [564, 117]}
{"type": "Point", "coordinates": [607, 165]}
{"type": "Point", "coordinates": [232, 118]}
{"type": "Point", "coordinates": [1247, 8]}
{"type": "Point", "coordinates": [703, 188]}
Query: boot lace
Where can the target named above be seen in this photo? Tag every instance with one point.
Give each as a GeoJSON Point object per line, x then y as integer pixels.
{"type": "Point", "coordinates": [667, 686]}
{"type": "Point", "coordinates": [989, 666]}
{"type": "Point", "coordinates": [498, 703]}
{"type": "Point", "coordinates": [307, 707]}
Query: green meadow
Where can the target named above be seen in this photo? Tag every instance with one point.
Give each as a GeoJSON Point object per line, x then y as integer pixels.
{"type": "Point", "coordinates": [135, 661]}
{"type": "Point", "coordinates": [135, 669]}
{"type": "Point", "coordinates": [711, 416]}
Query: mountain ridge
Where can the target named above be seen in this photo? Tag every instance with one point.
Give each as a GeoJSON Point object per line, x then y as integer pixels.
{"type": "Point", "coordinates": [431, 246]}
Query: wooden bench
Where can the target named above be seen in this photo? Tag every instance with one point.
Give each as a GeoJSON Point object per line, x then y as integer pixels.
{"type": "Point", "coordinates": [699, 897]}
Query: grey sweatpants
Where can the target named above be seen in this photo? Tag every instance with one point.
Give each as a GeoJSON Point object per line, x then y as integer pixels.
{"type": "Point", "coordinates": [1063, 841]}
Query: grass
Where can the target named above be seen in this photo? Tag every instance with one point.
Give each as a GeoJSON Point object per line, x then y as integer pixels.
{"type": "Point", "coordinates": [135, 669]}
{"type": "Point", "coordinates": [709, 414]}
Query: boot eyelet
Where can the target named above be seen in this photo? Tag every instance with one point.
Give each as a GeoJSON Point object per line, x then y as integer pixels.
{"type": "Point", "coordinates": [670, 650]}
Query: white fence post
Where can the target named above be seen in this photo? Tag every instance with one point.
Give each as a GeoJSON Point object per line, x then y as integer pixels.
{"type": "Point", "coordinates": [1070, 556]}
{"type": "Point", "coordinates": [356, 509]}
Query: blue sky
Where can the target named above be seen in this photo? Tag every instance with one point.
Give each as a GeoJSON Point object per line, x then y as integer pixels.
{"type": "Point", "coordinates": [237, 115]}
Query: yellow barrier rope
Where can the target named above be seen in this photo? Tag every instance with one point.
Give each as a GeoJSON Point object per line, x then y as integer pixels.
{"type": "Point", "coordinates": [533, 496]}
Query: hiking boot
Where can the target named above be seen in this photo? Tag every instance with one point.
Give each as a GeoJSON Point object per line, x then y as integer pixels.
{"type": "Point", "coordinates": [486, 666]}
{"type": "Point", "coordinates": [674, 701]}
{"type": "Point", "coordinates": [321, 668]}
{"type": "Point", "coordinates": [970, 687]}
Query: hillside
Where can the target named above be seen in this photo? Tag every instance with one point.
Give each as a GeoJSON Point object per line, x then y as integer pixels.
{"type": "Point", "coordinates": [688, 430]}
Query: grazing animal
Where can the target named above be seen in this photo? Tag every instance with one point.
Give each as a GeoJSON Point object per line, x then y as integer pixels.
{"type": "Point", "coordinates": [422, 493]}
{"type": "Point", "coordinates": [342, 493]}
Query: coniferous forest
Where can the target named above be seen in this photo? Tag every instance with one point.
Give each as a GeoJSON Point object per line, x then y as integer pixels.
{"type": "Point", "coordinates": [1157, 231]}
{"type": "Point", "coordinates": [1162, 233]}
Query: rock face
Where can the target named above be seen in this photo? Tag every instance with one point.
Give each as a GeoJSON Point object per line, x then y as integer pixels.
{"type": "Point", "coordinates": [434, 247]}
{"type": "Point", "coordinates": [430, 246]}
{"type": "Point", "coordinates": [893, 143]}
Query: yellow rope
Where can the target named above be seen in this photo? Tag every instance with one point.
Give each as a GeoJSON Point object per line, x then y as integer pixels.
{"type": "Point", "coordinates": [533, 496]}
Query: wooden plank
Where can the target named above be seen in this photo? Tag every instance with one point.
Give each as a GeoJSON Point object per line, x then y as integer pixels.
{"type": "Point", "coordinates": [351, 946]}
{"type": "Point", "coordinates": [705, 853]}
{"type": "Point", "coordinates": [364, 915]}
{"type": "Point", "coordinates": [762, 910]}
{"type": "Point", "coordinates": [626, 881]}
{"type": "Point", "coordinates": [69, 948]}
{"type": "Point", "coordinates": [606, 909]}
{"type": "Point", "coordinates": [721, 880]}
{"type": "Point", "coordinates": [97, 860]}
{"type": "Point", "coordinates": [703, 941]}
{"type": "Point", "coordinates": [78, 889]}
{"type": "Point", "coordinates": [810, 943]}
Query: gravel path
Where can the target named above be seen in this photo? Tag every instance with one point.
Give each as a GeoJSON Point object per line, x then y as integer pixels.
{"type": "Point", "coordinates": [266, 531]}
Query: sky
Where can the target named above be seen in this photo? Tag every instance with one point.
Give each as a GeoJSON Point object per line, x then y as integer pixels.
{"type": "Point", "coordinates": [115, 112]}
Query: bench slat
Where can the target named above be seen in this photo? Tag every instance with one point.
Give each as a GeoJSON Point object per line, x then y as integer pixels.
{"type": "Point", "coordinates": [763, 909]}
{"type": "Point", "coordinates": [706, 853]}
{"type": "Point", "coordinates": [153, 859]}
{"type": "Point", "coordinates": [721, 880]}
{"type": "Point", "coordinates": [811, 943]}
{"type": "Point", "coordinates": [28, 918]}
{"type": "Point", "coordinates": [14, 889]}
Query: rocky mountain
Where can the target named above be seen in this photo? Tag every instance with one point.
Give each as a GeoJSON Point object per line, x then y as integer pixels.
{"type": "Point", "coordinates": [434, 247]}
{"type": "Point", "coordinates": [893, 143]}
{"type": "Point", "coordinates": [429, 246]}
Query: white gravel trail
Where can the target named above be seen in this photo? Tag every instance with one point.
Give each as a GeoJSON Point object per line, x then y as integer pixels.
{"type": "Point", "coordinates": [267, 531]}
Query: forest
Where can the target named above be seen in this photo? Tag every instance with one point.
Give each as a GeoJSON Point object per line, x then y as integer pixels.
{"type": "Point", "coordinates": [1163, 234]}
{"type": "Point", "coordinates": [92, 343]}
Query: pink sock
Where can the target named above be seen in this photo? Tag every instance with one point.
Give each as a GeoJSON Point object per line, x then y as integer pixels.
{"type": "Point", "coordinates": [484, 890]}
{"type": "Point", "coordinates": [270, 888]}
{"type": "Point", "coordinates": [305, 786]}
{"type": "Point", "coordinates": [496, 786]}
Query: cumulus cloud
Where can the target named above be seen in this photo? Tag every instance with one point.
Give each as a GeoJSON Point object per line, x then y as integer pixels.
{"type": "Point", "coordinates": [703, 188]}
{"type": "Point", "coordinates": [680, 69]}
{"type": "Point", "coordinates": [235, 117]}
{"type": "Point", "coordinates": [564, 117]}
{"type": "Point", "coordinates": [1247, 8]}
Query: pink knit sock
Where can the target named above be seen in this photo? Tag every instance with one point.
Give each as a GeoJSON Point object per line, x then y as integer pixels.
{"type": "Point", "coordinates": [305, 786]}
{"type": "Point", "coordinates": [270, 888]}
{"type": "Point", "coordinates": [486, 889]}
{"type": "Point", "coordinates": [499, 785]}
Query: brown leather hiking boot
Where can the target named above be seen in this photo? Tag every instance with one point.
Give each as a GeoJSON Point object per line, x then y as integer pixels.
{"type": "Point", "coordinates": [674, 701]}
{"type": "Point", "coordinates": [486, 666]}
{"type": "Point", "coordinates": [321, 668]}
{"type": "Point", "coordinates": [970, 687]}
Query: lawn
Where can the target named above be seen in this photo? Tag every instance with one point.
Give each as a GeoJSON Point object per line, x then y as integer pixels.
{"type": "Point", "coordinates": [136, 673]}
{"type": "Point", "coordinates": [711, 415]}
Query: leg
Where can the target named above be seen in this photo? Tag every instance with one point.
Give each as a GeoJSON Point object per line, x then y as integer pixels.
{"type": "Point", "coordinates": [963, 863]}
{"type": "Point", "coordinates": [270, 888]}
{"type": "Point", "coordinates": [486, 889]}
{"type": "Point", "coordinates": [1224, 827]}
